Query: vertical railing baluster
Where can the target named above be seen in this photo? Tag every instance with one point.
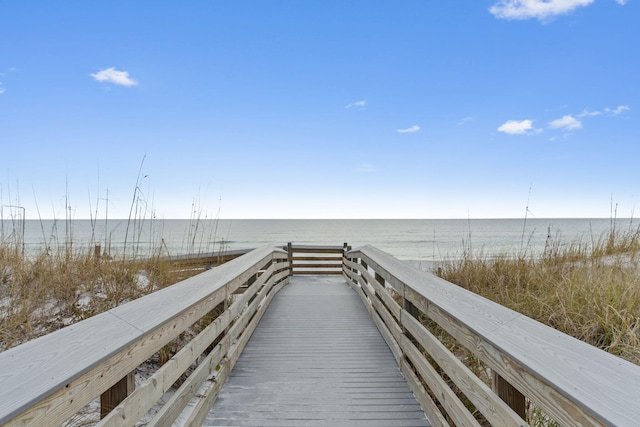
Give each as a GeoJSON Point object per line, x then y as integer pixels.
{"type": "Point", "coordinates": [509, 394]}
{"type": "Point", "coordinates": [290, 256]}
{"type": "Point", "coordinates": [116, 394]}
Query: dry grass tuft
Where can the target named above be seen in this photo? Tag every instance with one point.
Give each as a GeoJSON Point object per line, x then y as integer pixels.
{"type": "Point", "coordinates": [42, 293]}
{"type": "Point", "coordinates": [589, 291]}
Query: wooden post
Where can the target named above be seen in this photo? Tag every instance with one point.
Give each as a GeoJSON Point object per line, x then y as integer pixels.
{"type": "Point", "coordinates": [344, 254]}
{"type": "Point", "coordinates": [509, 394]}
{"type": "Point", "coordinates": [414, 312]}
{"type": "Point", "coordinates": [97, 252]}
{"type": "Point", "coordinates": [412, 309]}
{"type": "Point", "coordinates": [380, 279]}
{"type": "Point", "coordinates": [290, 256]}
{"type": "Point", "coordinates": [347, 249]}
{"type": "Point", "coordinates": [355, 270]}
{"type": "Point", "coordinates": [366, 267]}
{"type": "Point", "coordinates": [116, 394]}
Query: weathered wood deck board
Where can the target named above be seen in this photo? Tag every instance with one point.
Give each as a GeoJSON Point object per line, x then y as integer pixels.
{"type": "Point", "coordinates": [316, 359]}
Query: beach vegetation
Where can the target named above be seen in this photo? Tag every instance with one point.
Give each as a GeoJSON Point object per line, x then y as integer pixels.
{"type": "Point", "coordinates": [587, 289]}
{"type": "Point", "coordinates": [47, 291]}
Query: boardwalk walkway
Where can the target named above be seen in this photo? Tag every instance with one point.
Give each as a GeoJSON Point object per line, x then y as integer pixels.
{"type": "Point", "coordinates": [316, 359]}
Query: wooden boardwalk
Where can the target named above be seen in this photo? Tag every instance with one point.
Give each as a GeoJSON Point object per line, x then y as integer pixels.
{"type": "Point", "coordinates": [316, 349]}
{"type": "Point", "coordinates": [316, 359]}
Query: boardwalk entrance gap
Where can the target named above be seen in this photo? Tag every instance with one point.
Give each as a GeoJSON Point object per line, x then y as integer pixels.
{"type": "Point", "coordinates": [318, 368]}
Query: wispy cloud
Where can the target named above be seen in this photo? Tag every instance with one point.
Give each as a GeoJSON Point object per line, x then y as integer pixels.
{"type": "Point", "coordinates": [566, 123]}
{"type": "Point", "coordinates": [621, 2]}
{"type": "Point", "coordinates": [111, 75]}
{"type": "Point", "coordinates": [9, 70]}
{"type": "Point", "coordinates": [607, 111]}
{"type": "Point", "coordinates": [542, 10]}
{"type": "Point", "coordinates": [518, 127]}
{"type": "Point", "coordinates": [618, 110]}
{"type": "Point", "coordinates": [2, 74]}
{"type": "Point", "coordinates": [412, 129]}
{"type": "Point", "coordinates": [587, 113]}
{"type": "Point", "coordinates": [365, 168]}
{"type": "Point", "coordinates": [357, 104]}
{"type": "Point", "coordinates": [465, 120]}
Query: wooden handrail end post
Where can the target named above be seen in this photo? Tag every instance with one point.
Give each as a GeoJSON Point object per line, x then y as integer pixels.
{"type": "Point", "coordinates": [290, 256]}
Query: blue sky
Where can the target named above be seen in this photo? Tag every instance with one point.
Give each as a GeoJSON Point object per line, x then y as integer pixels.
{"type": "Point", "coordinates": [320, 109]}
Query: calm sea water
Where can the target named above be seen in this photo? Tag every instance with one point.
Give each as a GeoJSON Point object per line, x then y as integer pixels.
{"type": "Point", "coordinates": [420, 239]}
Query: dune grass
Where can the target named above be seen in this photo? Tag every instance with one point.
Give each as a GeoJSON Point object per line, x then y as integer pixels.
{"type": "Point", "coordinates": [47, 291]}
{"type": "Point", "coordinates": [589, 290]}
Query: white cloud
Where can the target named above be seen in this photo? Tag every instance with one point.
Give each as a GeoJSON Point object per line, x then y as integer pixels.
{"type": "Point", "coordinates": [618, 110]}
{"type": "Point", "coordinates": [515, 127]}
{"type": "Point", "coordinates": [412, 129]}
{"type": "Point", "coordinates": [359, 104]}
{"type": "Point", "coordinates": [2, 90]}
{"type": "Point", "coordinates": [111, 75]}
{"type": "Point", "coordinates": [621, 2]}
{"type": "Point", "coordinates": [566, 122]}
{"type": "Point", "coordinates": [539, 9]}
{"type": "Point", "coordinates": [569, 122]}
{"type": "Point", "coordinates": [587, 113]}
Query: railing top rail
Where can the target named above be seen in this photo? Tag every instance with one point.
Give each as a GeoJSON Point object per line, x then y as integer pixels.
{"type": "Point", "coordinates": [186, 257]}
{"type": "Point", "coordinates": [27, 375]}
{"type": "Point", "coordinates": [317, 248]}
{"type": "Point", "coordinates": [600, 383]}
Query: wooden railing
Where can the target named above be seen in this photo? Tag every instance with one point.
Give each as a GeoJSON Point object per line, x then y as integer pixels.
{"type": "Point", "coordinates": [46, 381]}
{"type": "Point", "coordinates": [206, 260]}
{"type": "Point", "coordinates": [572, 382]}
{"type": "Point", "coordinates": [304, 259]}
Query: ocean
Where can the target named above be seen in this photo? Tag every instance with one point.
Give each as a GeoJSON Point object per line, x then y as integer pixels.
{"type": "Point", "coordinates": [418, 239]}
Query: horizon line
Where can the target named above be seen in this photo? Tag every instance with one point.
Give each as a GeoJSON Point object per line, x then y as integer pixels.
{"type": "Point", "coordinates": [316, 219]}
